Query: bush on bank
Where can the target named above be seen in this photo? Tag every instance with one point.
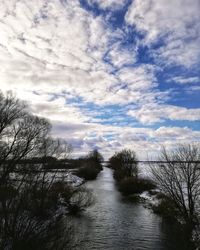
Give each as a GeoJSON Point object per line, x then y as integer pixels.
{"type": "Point", "coordinates": [90, 166]}
{"type": "Point", "coordinates": [135, 185]}
{"type": "Point", "coordinates": [125, 167]}
{"type": "Point", "coordinates": [165, 207]}
{"type": "Point", "coordinates": [124, 164]}
{"type": "Point", "coordinates": [88, 172]}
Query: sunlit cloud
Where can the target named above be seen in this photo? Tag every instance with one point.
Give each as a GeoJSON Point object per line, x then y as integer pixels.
{"type": "Point", "coordinates": [150, 114]}
{"type": "Point", "coordinates": [174, 24]}
{"type": "Point", "coordinates": [104, 77]}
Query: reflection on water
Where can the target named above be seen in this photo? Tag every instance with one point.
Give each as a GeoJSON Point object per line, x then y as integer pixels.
{"type": "Point", "coordinates": [114, 223]}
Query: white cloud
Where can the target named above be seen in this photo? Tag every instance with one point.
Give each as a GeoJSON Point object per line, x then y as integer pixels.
{"type": "Point", "coordinates": [138, 78]}
{"type": "Point", "coordinates": [56, 47]}
{"type": "Point", "coordinates": [81, 130]}
{"type": "Point", "coordinates": [53, 51]}
{"type": "Point", "coordinates": [120, 57]}
{"type": "Point", "coordinates": [53, 46]}
{"type": "Point", "coordinates": [153, 113]}
{"type": "Point", "coordinates": [175, 133]}
{"type": "Point", "coordinates": [144, 141]}
{"type": "Point", "coordinates": [185, 80]}
{"type": "Point", "coordinates": [177, 22]}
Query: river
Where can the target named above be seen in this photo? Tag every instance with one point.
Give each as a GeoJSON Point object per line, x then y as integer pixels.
{"type": "Point", "coordinates": [118, 224]}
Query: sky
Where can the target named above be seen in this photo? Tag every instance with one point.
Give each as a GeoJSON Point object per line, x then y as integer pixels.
{"type": "Point", "coordinates": [108, 74]}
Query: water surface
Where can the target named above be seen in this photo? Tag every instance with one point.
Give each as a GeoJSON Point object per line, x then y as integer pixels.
{"type": "Point", "coordinates": [118, 224]}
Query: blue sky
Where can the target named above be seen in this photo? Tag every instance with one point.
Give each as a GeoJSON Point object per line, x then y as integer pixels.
{"type": "Point", "coordinates": [108, 74]}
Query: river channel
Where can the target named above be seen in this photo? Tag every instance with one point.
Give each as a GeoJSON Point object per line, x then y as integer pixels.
{"type": "Point", "coordinates": [114, 222]}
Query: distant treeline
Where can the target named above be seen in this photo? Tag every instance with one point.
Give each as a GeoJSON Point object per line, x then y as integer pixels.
{"type": "Point", "coordinates": [53, 162]}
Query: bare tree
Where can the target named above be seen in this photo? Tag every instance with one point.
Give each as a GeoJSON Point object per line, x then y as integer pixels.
{"type": "Point", "coordinates": [178, 177]}
{"type": "Point", "coordinates": [30, 206]}
{"type": "Point", "coordinates": [10, 110]}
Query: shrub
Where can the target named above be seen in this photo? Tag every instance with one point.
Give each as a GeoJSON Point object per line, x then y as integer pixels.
{"type": "Point", "coordinates": [135, 186]}
{"type": "Point", "coordinates": [165, 207]}
{"type": "Point", "coordinates": [124, 164]}
{"type": "Point", "coordinates": [87, 172]}
{"type": "Point", "coordinates": [76, 199]}
{"type": "Point", "coordinates": [90, 167]}
{"type": "Point", "coordinates": [95, 157]}
{"type": "Point", "coordinates": [118, 174]}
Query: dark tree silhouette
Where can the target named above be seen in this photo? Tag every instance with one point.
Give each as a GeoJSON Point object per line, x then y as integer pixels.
{"type": "Point", "coordinates": [124, 163]}
{"type": "Point", "coordinates": [179, 179]}
{"type": "Point", "coordinates": [32, 209]}
{"type": "Point", "coordinates": [90, 165]}
{"type": "Point", "coordinates": [95, 156]}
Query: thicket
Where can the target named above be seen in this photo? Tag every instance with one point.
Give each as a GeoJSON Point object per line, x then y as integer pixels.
{"type": "Point", "coordinates": [178, 178]}
{"type": "Point", "coordinates": [90, 165]}
{"type": "Point", "coordinates": [125, 166]}
{"type": "Point", "coordinates": [34, 205]}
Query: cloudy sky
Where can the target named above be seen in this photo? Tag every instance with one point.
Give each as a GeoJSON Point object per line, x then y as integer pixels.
{"type": "Point", "coordinates": [108, 74]}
